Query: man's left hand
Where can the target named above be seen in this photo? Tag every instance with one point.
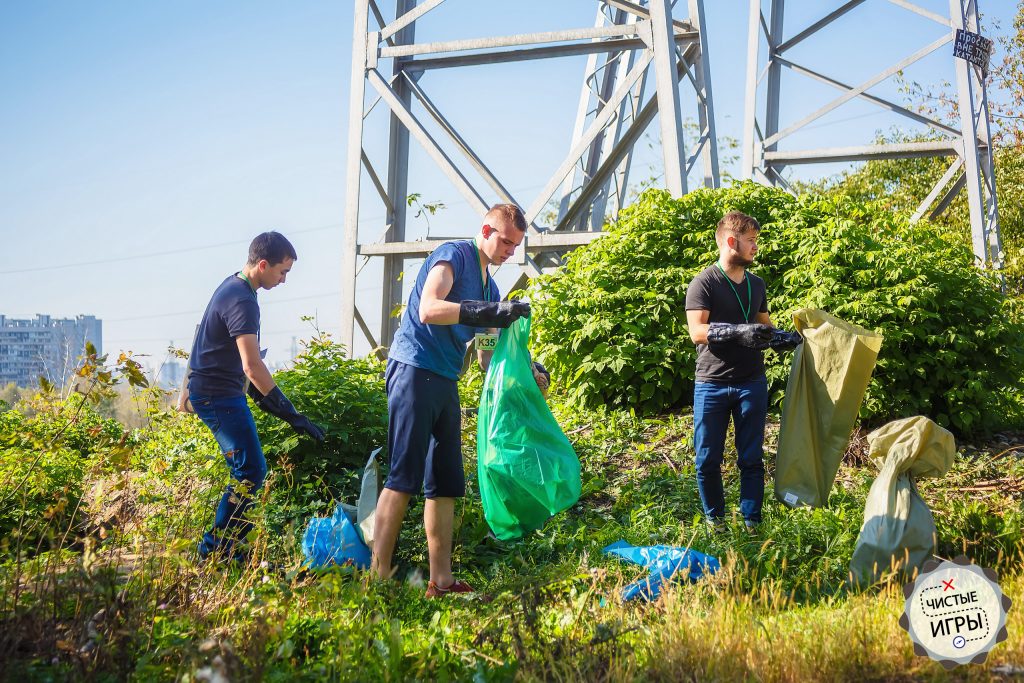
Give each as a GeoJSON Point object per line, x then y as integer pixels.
{"type": "Point", "coordinates": [785, 341]}
{"type": "Point", "coordinates": [542, 377]}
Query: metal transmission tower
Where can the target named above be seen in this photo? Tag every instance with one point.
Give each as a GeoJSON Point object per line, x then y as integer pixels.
{"type": "Point", "coordinates": [604, 74]}
{"type": "Point", "coordinates": [764, 160]}
{"type": "Point", "coordinates": [629, 40]}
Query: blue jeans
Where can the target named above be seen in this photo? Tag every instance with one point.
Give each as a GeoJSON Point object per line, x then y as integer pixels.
{"type": "Point", "coordinates": [747, 403]}
{"type": "Point", "coordinates": [235, 430]}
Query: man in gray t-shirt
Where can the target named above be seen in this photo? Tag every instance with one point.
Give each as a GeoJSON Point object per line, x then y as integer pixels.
{"type": "Point", "coordinates": [727, 314]}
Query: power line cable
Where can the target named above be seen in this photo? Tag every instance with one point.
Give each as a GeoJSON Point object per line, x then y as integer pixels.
{"type": "Point", "coordinates": [136, 257]}
{"type": "Point", "coordinates": [185, 250]}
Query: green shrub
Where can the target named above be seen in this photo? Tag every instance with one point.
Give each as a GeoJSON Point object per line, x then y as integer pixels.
{"type": "Point", "coordinates": [345, 396]}
{"type": "Point", "coordinates": [901, 184]}
{"type": "Point", "coordinates": [612, 322]}
{"type": "Point", "coordinates": [44, 460]}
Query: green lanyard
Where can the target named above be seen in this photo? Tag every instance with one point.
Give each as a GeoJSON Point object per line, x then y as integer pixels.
{"type": "Point", "coordinates": [483, 283]}
{"type": "Point", "coordinates": [744, 311]}
{"type": "Point", "coordinates": [242, 275]}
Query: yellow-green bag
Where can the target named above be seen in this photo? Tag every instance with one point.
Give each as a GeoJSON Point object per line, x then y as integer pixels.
{"type": "Point", "coordinates": [830, 373]}
{"type": "Point", "coordinates": [898, 533]}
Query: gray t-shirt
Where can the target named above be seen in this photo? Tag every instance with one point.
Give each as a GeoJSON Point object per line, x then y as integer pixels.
{"type": "Point", "coordinates": [711, 291]}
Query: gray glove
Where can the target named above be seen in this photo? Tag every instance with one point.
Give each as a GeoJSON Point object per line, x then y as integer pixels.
{"type": "Point", "coordinates": [492, 313]}
{"type": "Point", "coordinates": [278, 405]}
{"type": "Point", "coordinates": [785, 341]}
{"type": "Point", "coordinates": [751, 335]}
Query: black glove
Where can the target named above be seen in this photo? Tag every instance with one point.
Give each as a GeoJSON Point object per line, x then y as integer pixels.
{"type": "Point", "coordinates": [254, 394]}
{"type": "Point", "coordinates": [492, 313]}
{"type": "Point", "coordinates": [278, 405]}
{"type": "Point", "coordinates": [785, 341]}
{"type": "Point", "coordinates": [751, 335]}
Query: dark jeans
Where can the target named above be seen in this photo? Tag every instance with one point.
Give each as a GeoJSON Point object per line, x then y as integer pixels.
{"type": "Point", "coordinates": [747, 403]}
{"type": "Point", "coordinates": [235, 430]}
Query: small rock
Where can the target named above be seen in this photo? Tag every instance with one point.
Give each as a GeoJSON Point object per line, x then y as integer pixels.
{"type": "Point", "coordinates": [1008, 670]}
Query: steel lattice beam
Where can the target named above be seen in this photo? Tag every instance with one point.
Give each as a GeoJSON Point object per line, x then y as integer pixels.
{"type": "Point", "coordinates": [969, 146]}
{"type": "Point", "coordinates": [635, 38]}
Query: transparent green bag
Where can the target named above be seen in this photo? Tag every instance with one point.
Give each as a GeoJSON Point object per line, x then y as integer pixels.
{"type": "Point", "coordinates": [527, 468]}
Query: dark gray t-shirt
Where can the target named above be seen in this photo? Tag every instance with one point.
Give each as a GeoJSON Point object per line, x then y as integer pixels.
{"type": "Point", "coordinates": [710, 291]}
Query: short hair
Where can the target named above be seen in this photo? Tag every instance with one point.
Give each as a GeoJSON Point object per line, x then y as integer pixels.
{"type": "Point", "coordinates": [509, 213]}
{"type": "Point", "coordinates": [272, 247]}
{"type": "Point", "coordinates": [737, 223]}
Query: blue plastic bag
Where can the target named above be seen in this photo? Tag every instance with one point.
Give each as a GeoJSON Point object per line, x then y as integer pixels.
{"type": "Point", "coordinates": [334, 540]}
{"type": "Point", "coordinates": [664, 562]}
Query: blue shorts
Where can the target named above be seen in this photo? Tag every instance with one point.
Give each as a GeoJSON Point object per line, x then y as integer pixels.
{"type": "Point", "coordinates": [424, 432]}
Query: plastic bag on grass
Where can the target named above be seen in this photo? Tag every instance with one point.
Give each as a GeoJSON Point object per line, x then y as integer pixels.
{"type": "Point", "coordinates": [664, 563]}
{"type": "Point", "coordinates": [830, 373]}
{"type": "Point", "coordinates": [334, 540]}
{"type": "Point", "coordinates": [898, 533]}
{"type": "Point", "coordinates": [369, 492]}
{"type": "Point", "coordinates": [527, 468]}
{"type": "Point", "coordinates": [347, 536]}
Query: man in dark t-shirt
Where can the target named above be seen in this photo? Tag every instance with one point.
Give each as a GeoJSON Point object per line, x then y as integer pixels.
{"type": "Point", "coordinates": [225, 353]}
{"type": "Point", "coordinates": [727, 315]}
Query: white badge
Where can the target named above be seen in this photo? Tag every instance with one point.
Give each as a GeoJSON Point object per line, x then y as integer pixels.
{"type": "Point", "coordinates": [486, 342]}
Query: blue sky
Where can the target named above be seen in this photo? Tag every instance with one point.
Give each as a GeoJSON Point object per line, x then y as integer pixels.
{"type": "Point", "coordinates": [142, 145]}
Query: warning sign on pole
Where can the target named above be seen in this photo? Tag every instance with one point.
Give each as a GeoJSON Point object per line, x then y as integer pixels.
{"type": "Point", "coordinates": [974, 48]}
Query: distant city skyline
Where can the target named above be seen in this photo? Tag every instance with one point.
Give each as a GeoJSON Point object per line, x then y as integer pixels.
{"type": "Point", "coordinates": [45, 346]}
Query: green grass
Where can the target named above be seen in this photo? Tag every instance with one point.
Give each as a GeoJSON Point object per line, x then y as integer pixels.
{"type": "Point", "coordinates": [123, 599]}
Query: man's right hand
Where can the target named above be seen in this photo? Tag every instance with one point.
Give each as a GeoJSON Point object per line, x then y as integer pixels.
{"type": "Point", "coordinates": [492, 313]}
{"type": "Point", "coordinates": [751, 335]}
{"type": "Point", "coordinates": [278, 405]}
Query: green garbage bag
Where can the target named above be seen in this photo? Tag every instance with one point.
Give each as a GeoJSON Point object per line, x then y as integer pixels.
{"type": "Point", "coordinates": [898, 534]}
{"type": "Point", "coordinates": [829, 375]}
{"type": "Point", "coordinates": [527, 468]}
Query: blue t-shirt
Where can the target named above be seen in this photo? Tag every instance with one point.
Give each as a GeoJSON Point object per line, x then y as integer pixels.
{"type": "Point", "coordinates": [441, 348]}
{"type": "Point", "coordinates": [215, 362]}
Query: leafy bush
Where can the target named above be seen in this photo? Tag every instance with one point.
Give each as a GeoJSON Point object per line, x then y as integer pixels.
{"type": "Point", "coordinates": [613, 322]}
{"type": "Point", "coordinates": [43, 462]}
{"type": "Point", "coordinates": [345, 396]}
{"type": "Point", "coordinates": [901, 184]}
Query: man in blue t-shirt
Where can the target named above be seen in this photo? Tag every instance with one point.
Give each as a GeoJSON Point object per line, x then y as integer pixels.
{"type": "Point", "coordinates": [225, 353]}
{"type": "Point", "coordinates": [453, 301]}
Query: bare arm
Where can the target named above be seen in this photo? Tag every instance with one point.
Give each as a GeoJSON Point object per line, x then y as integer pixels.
{"type": "Point", "coordinates": [253, 366]}
{"type": "Point", "coordinates": [764, 319]}
{"type": "Point", "coordinates": [434, 310]}
{"type": "Point", "coordinates": [697, 322]}
{"type": "Point", "coordinates": [484, 357]}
